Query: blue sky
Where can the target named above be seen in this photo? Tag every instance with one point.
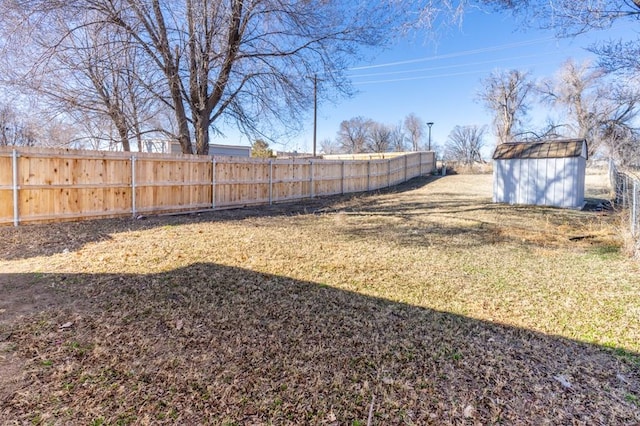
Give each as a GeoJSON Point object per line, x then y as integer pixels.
{"type": "Point", "coordinates": [438, 79]}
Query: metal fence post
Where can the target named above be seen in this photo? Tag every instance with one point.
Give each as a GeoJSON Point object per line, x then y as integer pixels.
{"type": "Point", "coordinates": [625, 192]}
{"type": "Point", "coordinates": [311, 170]}
{"type": "Point", "coordinates": [406, 167]}
{"type": "Point", "coordinates": [213, 182]}
{"type": "Point", "coordinates": [619, 188]}
{"type": "Point", "coordinates": [634, 209]}
{"type": "Point", "coordinates": [612, 179]}
{"type": "Point", "coordinates": [133, 186]}
{"type": "Point", "coordinates": [14, 168]}
{"type": "Point", "coordinates": [270, 182]}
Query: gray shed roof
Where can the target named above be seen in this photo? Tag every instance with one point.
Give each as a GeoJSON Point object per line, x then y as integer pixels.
{"type": "Point", "coordinates": [546, 149]}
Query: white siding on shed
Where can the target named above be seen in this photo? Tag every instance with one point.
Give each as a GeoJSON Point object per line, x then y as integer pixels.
{"type": "Point", "coordinates": [557, 181]}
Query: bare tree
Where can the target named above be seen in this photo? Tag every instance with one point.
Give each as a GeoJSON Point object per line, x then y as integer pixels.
{"type": "Point", "coordinates": [414, 126]}
{"type": "Point", "coordinates": [14, 129]}
{"type": "Point", "coordinates": [597, 109]}
{"type": "Point", "coordinates": [575, 89]}
{"type": "Point", "coordinates": [571, 17]}
{"type": "Point", "coordinates": [354, 134]}
{"type": "Point", "coordinates": [242, 62]}
{"type": "Point", "coordinates": [329, 146]}
{"type": "Point", "coordinates": [397, 138]}
{"type": "Point", "coordinates": [550, 130]}
{"type": "Point", "coordinates": [507, 94]}
{"type": "Point", "coordinates": [464, 144]}
{"type": "Point", "coordinates": [379, 138]}
{"type": "Point", "coordinates": [57, 133]}
{"type": "Point", "coordinates": [110, 65]}
{"type": "Point", "coordinates": [618, 127]}
{"type": "Point", "coordinates": [235, 61]}
{"type": "Point", "coordinates": [623, 143]}
{"type": "Point", "coordinates": [620, 57]}
{"type": "Point", "coordinates": [80, 67]}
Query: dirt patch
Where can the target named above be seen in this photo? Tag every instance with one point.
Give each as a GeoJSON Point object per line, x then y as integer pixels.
{"type": "Point", "coordinates": [11, 369]}
{"type": "Point", "coordinates": [23, 296]}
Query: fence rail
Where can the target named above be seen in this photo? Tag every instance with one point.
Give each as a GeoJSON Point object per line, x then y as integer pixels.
{"type": "Point", "coordinates": [39, 184]}
{"type": "Point", "coordinates": [626, 186]}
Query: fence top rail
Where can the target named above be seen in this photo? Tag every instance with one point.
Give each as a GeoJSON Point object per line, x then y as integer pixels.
{"type": "Point", "coordinates": [373, 156]}
{"type": "Point", "coordinates": [42, 152]}
{"type": "Point", "coordinates": [253, 160]}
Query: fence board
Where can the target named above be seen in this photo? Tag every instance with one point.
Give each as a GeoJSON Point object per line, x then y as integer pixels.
{"type": "Point", "coordinates": [396, 170]}
{"type": "Point", "coordinates": [6, 188]}
{"type": "Point", "coordinates": [62, 184]}
{"type": "Point", "coordinates": [327, 177]}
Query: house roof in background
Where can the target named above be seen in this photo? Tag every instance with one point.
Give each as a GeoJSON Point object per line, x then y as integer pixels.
{"type": "Point", "coordinates": [563, 148]}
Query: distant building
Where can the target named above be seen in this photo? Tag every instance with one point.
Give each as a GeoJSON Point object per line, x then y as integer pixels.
{"type": "Point", "coordinates": [292, 154]}
{"type": "Point", "coordinates": [548, 173]}
{"type": "Point", "coordinates": [223, 150]}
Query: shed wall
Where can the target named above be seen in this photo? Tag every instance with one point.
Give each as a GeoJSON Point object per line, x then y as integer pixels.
{"type": "Point", "coordinates": [546, 181]}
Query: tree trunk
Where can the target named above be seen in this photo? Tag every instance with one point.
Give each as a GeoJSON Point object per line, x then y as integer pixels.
{"type": "Point", "coordinates": [125, 144]}
{"type": "Point", "coordinates": [184, 135]}
{"type": "Point", "coordinates": [123, 132]}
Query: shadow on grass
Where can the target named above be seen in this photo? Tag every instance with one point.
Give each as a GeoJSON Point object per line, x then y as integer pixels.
{"type": "Point", "coordinates": [35, 240]}
{"type": "Point", "coordinates": [211, 343]}
{"type": "Point", "coordinates": [466, 223]}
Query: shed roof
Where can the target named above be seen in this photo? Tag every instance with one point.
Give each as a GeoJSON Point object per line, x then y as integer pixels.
{"type": "Point", "coordinates": [564, 148]}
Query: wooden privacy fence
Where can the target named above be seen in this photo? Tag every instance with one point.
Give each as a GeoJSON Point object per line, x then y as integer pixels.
{"type": "Point", "coordinates": [39, 184]}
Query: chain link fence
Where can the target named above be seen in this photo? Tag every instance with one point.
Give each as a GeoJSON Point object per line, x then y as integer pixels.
{"type": "Point", "coordinates": [626, 187]}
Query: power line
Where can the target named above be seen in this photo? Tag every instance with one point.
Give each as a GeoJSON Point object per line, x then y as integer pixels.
{"type": "Point", "coordinates": [456, 54]}
{"type": "Point", "coordinates": [426, 77]}
{"type": "Point", "coordinates": [444, 67]}
{"type": "Point", "coordinates": [422, 77]}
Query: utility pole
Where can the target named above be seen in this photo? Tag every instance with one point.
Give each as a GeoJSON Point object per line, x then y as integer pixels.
{"type": "Point", "coordinates": [430, 124]}
{"type": "Point", "coordinates": [315, 111]}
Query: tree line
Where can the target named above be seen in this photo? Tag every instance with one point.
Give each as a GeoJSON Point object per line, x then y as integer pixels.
{"type": "Point", "coordinates": [597, 101]}
{"type": "Point", "coordinates": [362, 135]}
{"type": "Point", "coordinates": [125, 70]}
{"type": "Point", "coordinates": [585, 101]}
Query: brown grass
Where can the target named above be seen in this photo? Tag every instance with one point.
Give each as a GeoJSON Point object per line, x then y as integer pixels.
{"type": "Point", "coordinates": [428, 303]}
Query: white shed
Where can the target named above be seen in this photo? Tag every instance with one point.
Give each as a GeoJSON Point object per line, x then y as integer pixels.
{"type": "Point", "coordinates": [549, 173]}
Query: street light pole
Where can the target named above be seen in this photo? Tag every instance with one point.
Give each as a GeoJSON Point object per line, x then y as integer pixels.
{"type": "Point", "coordinates": [430, 124]}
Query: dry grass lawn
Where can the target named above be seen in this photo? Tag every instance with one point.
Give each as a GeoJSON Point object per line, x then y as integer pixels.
{"type": "Point", "coordinates": [426, 304]}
